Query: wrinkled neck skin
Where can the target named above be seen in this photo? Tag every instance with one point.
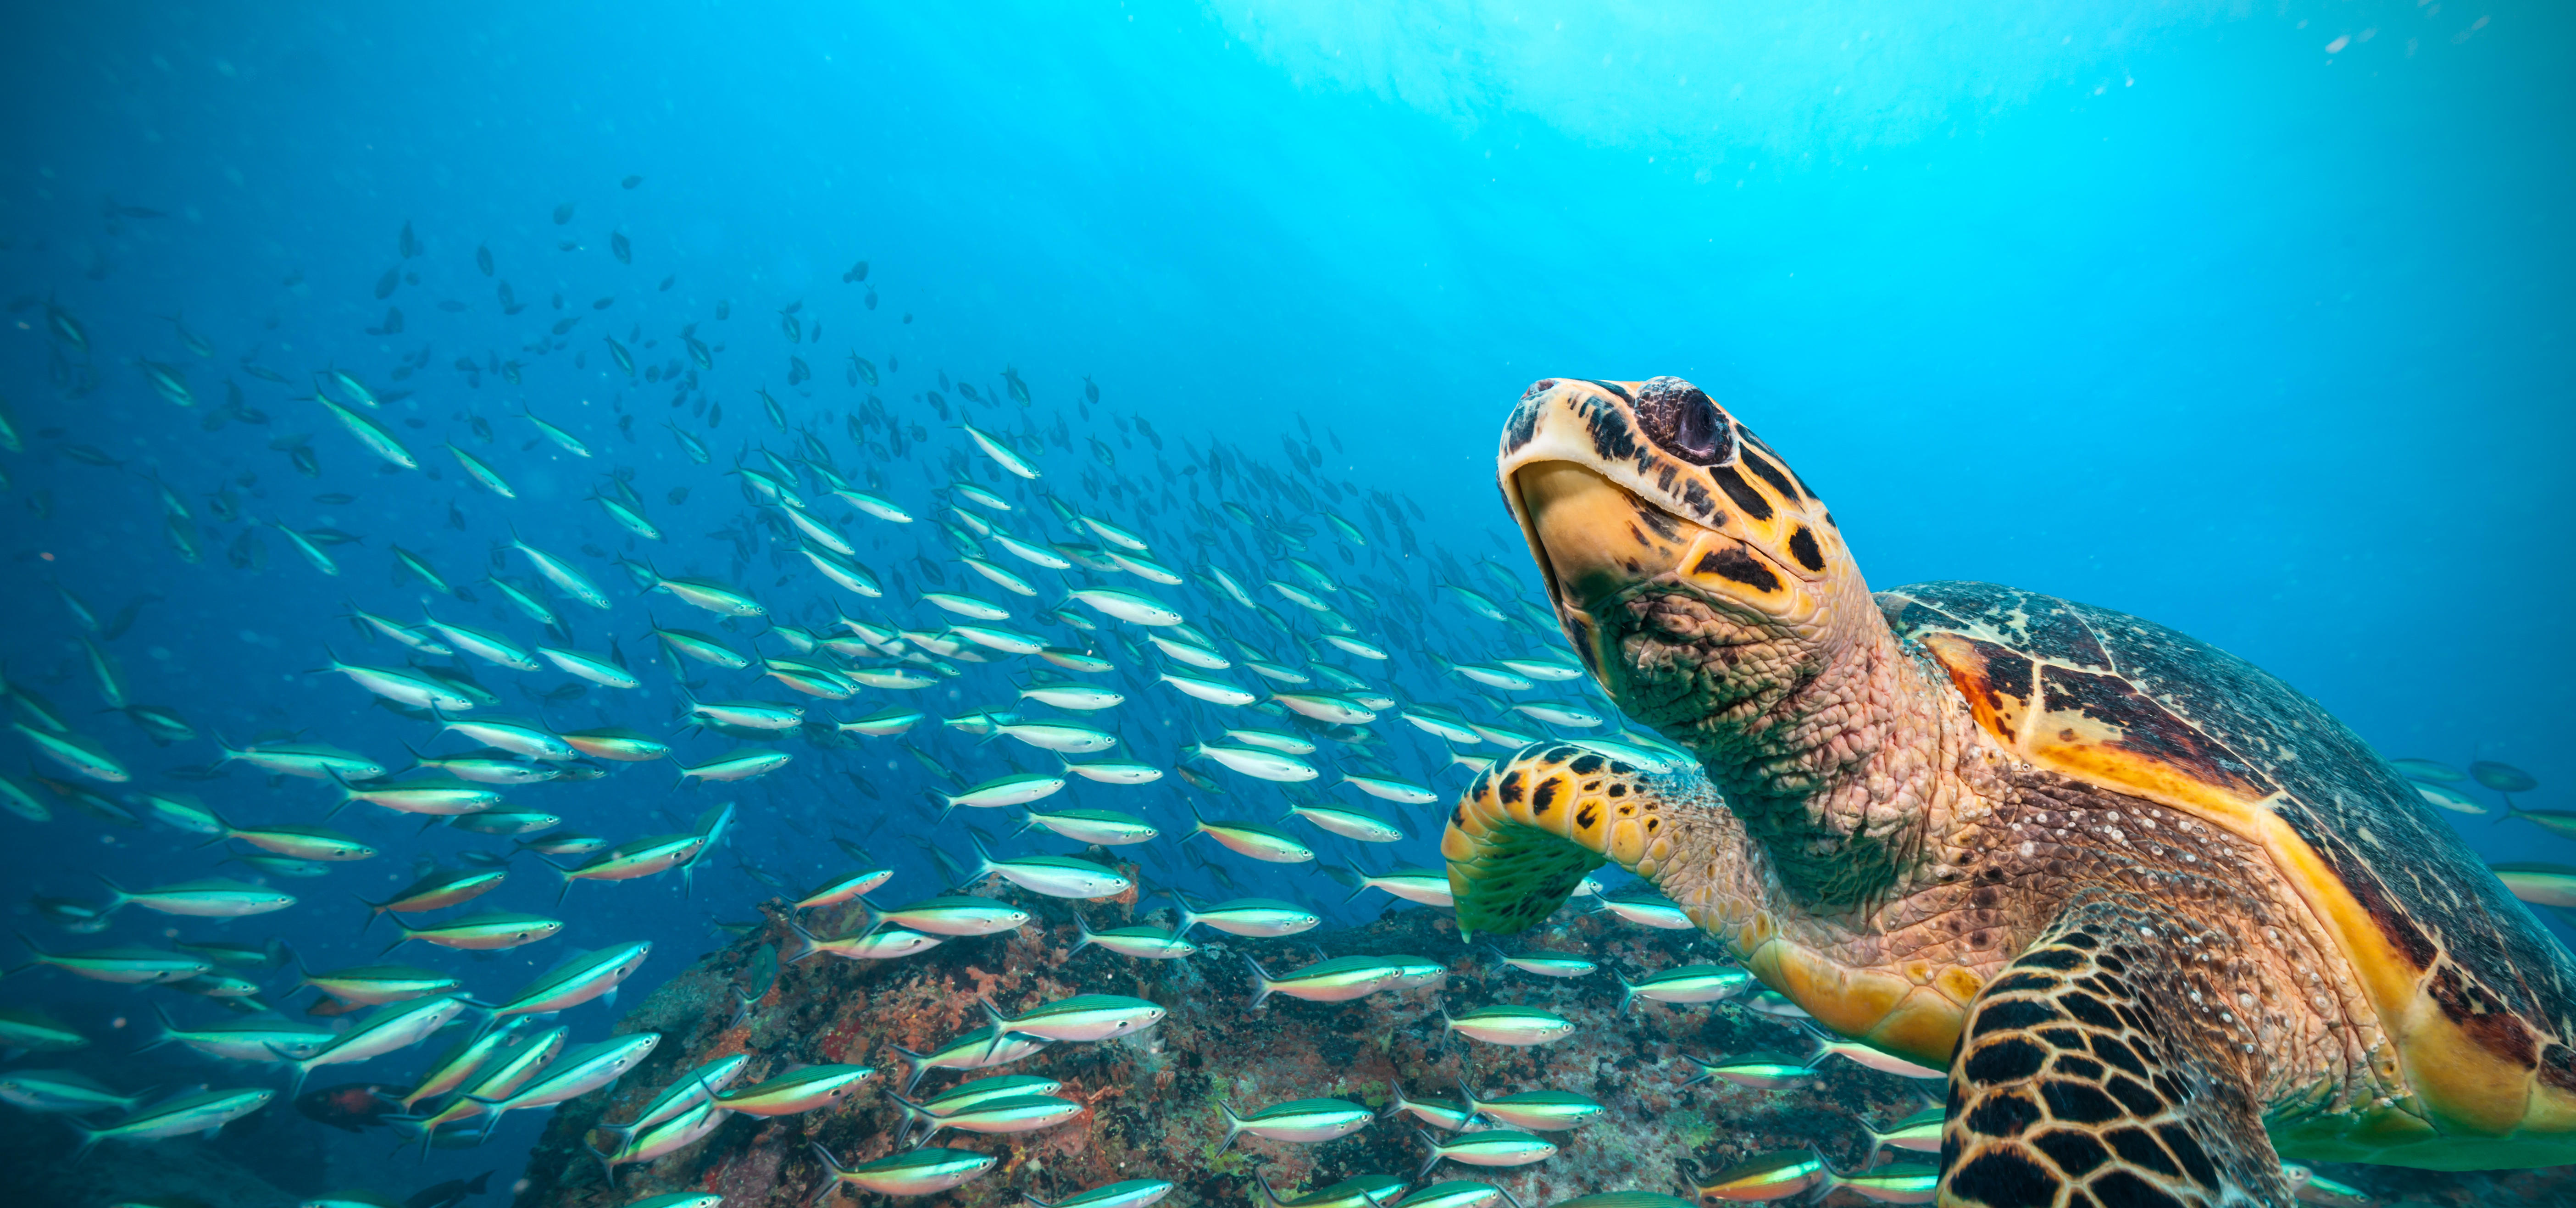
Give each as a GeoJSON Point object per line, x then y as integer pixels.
{"type": "Point", "coordinates": [1826, 738]}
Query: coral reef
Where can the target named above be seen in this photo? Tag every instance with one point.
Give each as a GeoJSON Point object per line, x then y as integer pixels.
{"type": "Point", "coordinates": [1153, 1098]}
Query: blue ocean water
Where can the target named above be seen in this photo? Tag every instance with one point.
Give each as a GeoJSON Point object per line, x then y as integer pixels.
{"type": "Point", "coordinates": [2251, 321]}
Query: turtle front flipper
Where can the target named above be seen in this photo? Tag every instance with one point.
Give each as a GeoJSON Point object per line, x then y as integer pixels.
{"type": "Point", "coordinates": [2088, 1070]}
{"type": "Point", "coordinates": [1525, 833]}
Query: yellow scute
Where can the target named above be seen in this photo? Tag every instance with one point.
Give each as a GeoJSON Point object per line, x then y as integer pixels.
{"type": "Point", "coordinates": [2476, 1107]}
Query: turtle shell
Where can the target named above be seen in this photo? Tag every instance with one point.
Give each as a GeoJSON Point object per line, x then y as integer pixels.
{"type": "Point", "coordinates": [2478, 997]}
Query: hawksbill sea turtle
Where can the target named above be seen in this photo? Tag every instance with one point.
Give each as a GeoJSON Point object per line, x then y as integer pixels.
{"type": "Point", "coordinates": [2164, 919]}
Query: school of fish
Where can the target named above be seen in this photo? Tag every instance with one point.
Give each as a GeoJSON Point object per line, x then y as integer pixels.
{"type": "Point", "coordinates": [985, 615]}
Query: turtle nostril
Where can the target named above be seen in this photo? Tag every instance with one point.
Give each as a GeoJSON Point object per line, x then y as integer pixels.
{"type": "Point", "coordinates": [1683, 422]}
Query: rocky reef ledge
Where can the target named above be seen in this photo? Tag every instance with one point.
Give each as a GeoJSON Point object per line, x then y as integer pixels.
{"type": "Point", "coordinates": [1153, 1098]}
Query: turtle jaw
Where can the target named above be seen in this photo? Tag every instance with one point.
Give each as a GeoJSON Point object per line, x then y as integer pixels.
{"type": "Point", "coordinates": [1663, 641]}
{"type": "Point", "coordinates": [1645, 594]}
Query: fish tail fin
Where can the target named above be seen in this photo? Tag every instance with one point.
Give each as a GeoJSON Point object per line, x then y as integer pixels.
{"type": "Point", "coordinates": [295, 1079]}
{"type": "Point", "coordinates": [910, 1108]}
{"type": "Point", "coordinates": [608, 1169]}
{"type": "Point", "coordinates": [116, 895]}
{"type": "Point", "coordinates": [1431, 1159]}
{"type": "Point", "coordinates": [1350, 876]}
{"type": "Point", "coordinates": [1824, 1043]}
{"type": "Point", "coordinates": [1001, 1025]}
{"type": "Point", "coordinates": [811, 945]}
{"type": "Point", "coordinates": [161, 1015]}
{"type": "Point", "coordinates": [1233, 1126]}
{"type": "Point", "coordinates": [1261, 984]}
{"type": "Point", "coordinates": [89, 1138]}
{"type": "Point", "coordinates": [830, 1163]}
{"type": "Point", "coordinates": [1081, 927]}
{"type": "Point", "coordinates": [1627, 990]}
{"type": "Point", "coordinates": [1395, 1106]}
{"type": "Point", "coordinates": [914, 1065]}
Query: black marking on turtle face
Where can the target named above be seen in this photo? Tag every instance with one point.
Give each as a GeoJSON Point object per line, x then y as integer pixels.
{"type": "Point", "coordinates": [1802, 546]}
{"type": "Point", "coordinates": [2062, 1038]}
{"type": "Point", "coordinates": [1612, 439]}
{"type": "Point", "coordinates": [1586, 764]}
{"type": "Point", "coordinates": [1696, 498]}
{"type": "Point", "coordinates": [2074, 1152]}
{"type": "Point", "coordinates": [1681, 420]}
{"type": "Point", "coordinates": [1618, 790]}
{"type": "Point", "coordinates": [1544, 795]}
{"type": "Point", "coordinates": [1614, 388]}
{"type": "Point", "coordinates": [1746, 435]}
{"type": "Point", "coordinates": [1523, 425]}
{"type": "Point", "coordinates": [2076, 1067]}
{"type": "Point", "coordinates": [1585, 817]}
{"type": "Point", "coordinates": [1733, 563]}
{"type": "Point", "coordinates": [1769, 473]}
{"type": "Point", "coordinates": [1509, 791]}
{"type": "Point", "coordinates": [1661, 523]}
{"type": "Point", "coordinates": [1741, 492]}
{"type": "Point", "coordinates": [2004, 1178]}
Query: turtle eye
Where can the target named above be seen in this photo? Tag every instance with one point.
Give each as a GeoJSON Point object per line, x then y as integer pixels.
{"type": "Point", "coordinates": [1683, 422]}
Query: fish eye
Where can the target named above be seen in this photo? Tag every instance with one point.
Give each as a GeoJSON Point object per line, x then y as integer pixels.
{"type": "Point", "coordinates": [1683, 422]}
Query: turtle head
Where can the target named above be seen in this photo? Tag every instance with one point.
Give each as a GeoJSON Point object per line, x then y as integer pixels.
{"type": "Point", "coordinates": [1693, 570]}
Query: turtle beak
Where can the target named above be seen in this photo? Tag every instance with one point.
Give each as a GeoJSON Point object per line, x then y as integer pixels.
{"type": "Point", "coordinates": [1572, 517]}
{"type": "Point", "coordinates": [1594, 541]}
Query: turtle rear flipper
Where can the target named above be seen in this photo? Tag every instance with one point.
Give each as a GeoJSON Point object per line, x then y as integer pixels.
{"type": "Point", "coordinates": [2086, 1069]}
